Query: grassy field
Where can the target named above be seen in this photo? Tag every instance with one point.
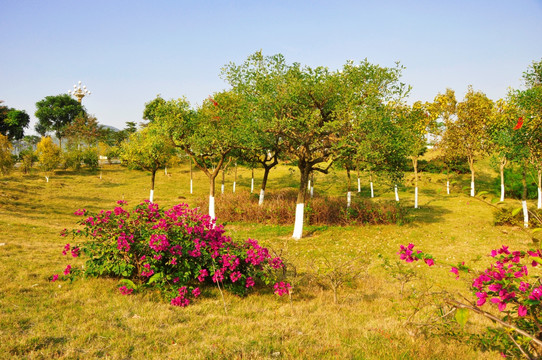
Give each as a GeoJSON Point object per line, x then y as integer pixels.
{"type": "Point", "coordinates": [372, 319]}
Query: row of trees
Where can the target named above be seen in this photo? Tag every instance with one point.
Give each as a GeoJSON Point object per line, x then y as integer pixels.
{"type": "Point", "coordinates": [354, 118]}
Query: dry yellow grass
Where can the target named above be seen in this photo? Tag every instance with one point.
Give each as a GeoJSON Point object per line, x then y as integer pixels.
{"type": "Point", "coordinates": [89, 319]}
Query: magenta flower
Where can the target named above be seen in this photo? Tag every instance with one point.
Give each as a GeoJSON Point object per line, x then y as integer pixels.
{"type": "Point", "coordinates": [234, 276]}
{"type": "Point", "coordinates": [67, 270]}
{"type": "Point", "coordinates": [75, 251]}
{"type": "Point", "coordinates": [125, 291]}
{"type": "Point", "coordinates": [429, 262]}
{"type": "Point", "coordinates": [522, 310]}
{"type": "Point", "coordinates": [249, 282]}
{"type": "Point", "coordinates": [203, 273]}
{"type": "Point", "coordinates": [55, 278]}
{"type": "Point", "coordinates": [455, 271]}
{"type": "Point", "coordinates": [282, 288]}
{"type": "Point", "coordinates": [196, 292]}
{"type": "Point", "coordinates": [66, 249]}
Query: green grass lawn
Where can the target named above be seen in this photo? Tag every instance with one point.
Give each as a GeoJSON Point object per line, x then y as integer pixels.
{"type": "Point", "coordinates": [372, 320]}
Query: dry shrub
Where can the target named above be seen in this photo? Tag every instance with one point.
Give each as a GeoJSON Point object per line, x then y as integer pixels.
{"type": "Point", "coordinates": [279, 208]}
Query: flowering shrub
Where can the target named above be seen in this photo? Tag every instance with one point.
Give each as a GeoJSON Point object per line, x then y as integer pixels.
{"type": "Point", "coordinates": [176, 250]}
{"type": "Point", "coordinates": [512, 285]}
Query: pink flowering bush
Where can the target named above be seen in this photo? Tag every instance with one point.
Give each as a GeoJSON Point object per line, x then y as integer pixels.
{"type": "Point", "coordinates": [177, 251]}
{"type": "Point", "coordinates": [510, 286]}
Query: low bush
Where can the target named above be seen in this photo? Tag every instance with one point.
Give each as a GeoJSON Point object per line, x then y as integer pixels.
{"type": "Point", "coordinates": [279, 208]}
{"type": "Point", "coordinates": [176, 251]}
{"type": "Point", "coordinates": [510, 216]}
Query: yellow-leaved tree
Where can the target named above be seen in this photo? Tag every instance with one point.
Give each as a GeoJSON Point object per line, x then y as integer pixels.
{"type": "Point", "coordinates": [49, 156]}
{"type": "Point", "coordinates": [6, 160]}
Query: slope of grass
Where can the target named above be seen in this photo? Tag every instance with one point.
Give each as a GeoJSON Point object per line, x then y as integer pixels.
{"type": "Point", "coordinates": [90, 319]}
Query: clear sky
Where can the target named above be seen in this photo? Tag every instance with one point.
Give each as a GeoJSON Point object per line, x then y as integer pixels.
{"type": "Point", "coordinates": [127, 52]}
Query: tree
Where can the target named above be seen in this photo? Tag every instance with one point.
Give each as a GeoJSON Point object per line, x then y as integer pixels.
{"type": "Point", "coordinates": [468, 134]}
{"type": "Point", "coordinates": [13, 122]}
{"type": "Point", "coordinates": [6, 159]}
{"type": "Point", "coordinates": [530, 102]}
{"type": "Point", "coordinates": [444, 108]}
{"type": "Point", "coordinates": [416, 122]}
{"type": "Point", "coordinates": [84, 129]}
{"type": "Point", "coordinates": [55, 113]}
{"type": "Point", "coordinates": [148, 150]}
{"type": "Point", "coordinates": [309, 108]}
{"type": "Point", "coordinates": [208, 134]}
{"type": "Point", "coordinates": [49, 156]}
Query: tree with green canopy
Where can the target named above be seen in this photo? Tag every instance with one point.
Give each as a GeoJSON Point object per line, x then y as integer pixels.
{"type": "Point", "coordinates": [309, 108]}
{"type": "Point", "coordinates": [530, 103]}
{"type": "Point", "coordinates": [468, 135]}
{"type": "Point", "coordinates": [149, 150]}
{"type": "Point", "coordinates": [55, 113]}
{"type": "Point", "coordinates": [208, 134]}
{"type": "Point", "coordinates": [13, 122]}
{"type": "Point", "coordinates": [416, 122]}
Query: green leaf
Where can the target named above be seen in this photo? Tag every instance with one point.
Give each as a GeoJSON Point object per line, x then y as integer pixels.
{"type": "Point", "coordinates": [466, 188]}
{"type": "Point", "coordinates": [461, 316]}
{"type": "Point", "coordinates": [495, 200]}
{"type": "Point", "coordinates": [128, 283]}
{"type": "Point", "coordinates": [536, 230]}
{"type": "Point", "coordinates": [155, 277]}
{"type": "Point", "coordinates": [483, 193]}
{"type": "Point", "coordinates": [516, 211]}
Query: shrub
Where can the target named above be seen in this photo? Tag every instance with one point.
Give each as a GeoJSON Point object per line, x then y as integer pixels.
{"type": "Point", "coordinates": [513, 185]}
{"type": "Point", "coordinates": [72, 159]}
{"type": "Point", "coordinates": [176, 251]}
{"type": "Point", "coordinates": [514, 217]}
{"type": "Point", "coordinates": [279, 208]}
{"type": "Point", "coordinates": [511, 287]}
{"type": "Point", "coordinates": [90, 158]}
{"type": "Point", "coordinates": [27, 157]}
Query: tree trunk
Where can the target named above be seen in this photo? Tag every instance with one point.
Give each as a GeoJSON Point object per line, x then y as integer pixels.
{"type": "Point", "coordinates": [415, 165]}
{"type": "Point", "coordinates": [304, 170]}
{"type": "Point", "coordinates": [359, 181]}
{"type": "Point", "coordinates": [190, 175]}
{"type": "Point", "coordinates": [396, 194]}
{"type": "Point", "coordinates": [371, 183]}
{"type": "Point", "coordinates": [235, 177]}
{"type": "Point", "coordinates": [348, 194]}
{"type": "Point", "coordinates": [153, 176]}
{"type": "Point", "coordinates": [471, 166]}
{"type": "Point", "coordinates": [212, 178]}
{"type": "Point", "coordinates": [501, 169]}
{"type": "Point", "coordinates": [539, 203]}
{"type": "Point", "coordinates": [524, 196]}
{"type": "Point", "coordinates": [312, 185]}
{"type": "Point", "coordinates": [223, 178]}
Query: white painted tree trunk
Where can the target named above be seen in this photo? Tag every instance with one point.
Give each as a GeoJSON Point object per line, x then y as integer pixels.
{"type": "Point", "coordinates": [251, 185]}
{"type": "Point", "coordinates": [539, 205]}
{"type": "Point", "coordinates": [525, 214]}
{"type": "Point", "coordinates": [298, 227]}
{"type": "Point", "coordinates": [372, 190]}
{"type": "Point", "coordinates": [151, 196]}
{"type": "Point", "coordinates": [47, 179]}
{"type": "Point", "coordinates": [165, 170]}
{"type": "Point", "coordinates": [234, 186]}
{"type": "Point", "coordinates": [359, 185]}
{"type": "Point", "coordinates": [348, 198]}
{"type": "Point", "coordinates": [396, 194]}
{"type": "Point", "coordinates": [415, 197]}
{"type": "Point", "coordinates": [312, 191]}
{"type": "Point", "coordinates": [222, 188]}
{"type": "Point", "coordinates": [502, 192]}
{"type": "Point", "coordinates": [448, 187]}
{"type": "Point", "coordinates": [472, 188]}
{"type": "Point", "coordinates": [212, 207]}
{"type": "Point", "coordinates": [262, 195]}
{"type": "Point", "coordinates": [190, 186]}
{"type": "Point", "coordinates": [309, 185]}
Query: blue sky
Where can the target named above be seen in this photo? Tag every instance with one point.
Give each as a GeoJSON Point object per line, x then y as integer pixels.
{"type": "Point", "coordinates": [127, 52]}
